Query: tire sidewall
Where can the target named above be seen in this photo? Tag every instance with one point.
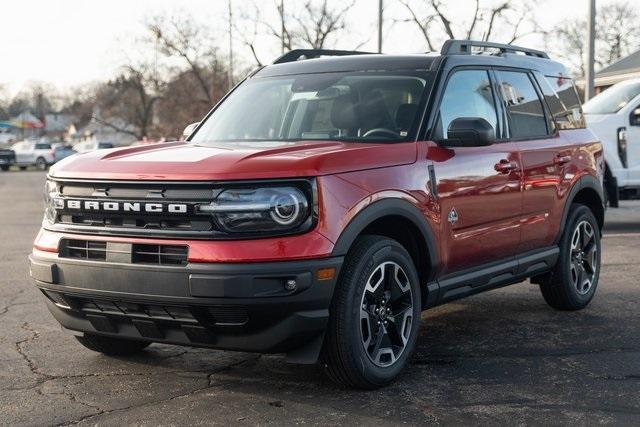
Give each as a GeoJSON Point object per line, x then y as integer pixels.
{"type": "Point", "coordinates": [383, 251]}
{"type": "Point", "coordinates": [41, 163]}
{"type": "Point", "coordinates": [578, 214]}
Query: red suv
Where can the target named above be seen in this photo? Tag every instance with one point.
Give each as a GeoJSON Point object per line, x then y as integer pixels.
{"type": "Point", "coordinates": [324, 203]}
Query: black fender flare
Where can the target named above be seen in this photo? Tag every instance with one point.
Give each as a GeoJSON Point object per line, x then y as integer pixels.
{"type": "Point", "coordinates": [389, 207]}
{"type": "Point", "coordinates": [586, 181]}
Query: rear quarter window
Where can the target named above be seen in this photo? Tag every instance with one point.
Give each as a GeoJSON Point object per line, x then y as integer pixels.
{"type": "Point", "coordinates": [43, 146]}
{"type": "Point", "coordinates": [563, 101]}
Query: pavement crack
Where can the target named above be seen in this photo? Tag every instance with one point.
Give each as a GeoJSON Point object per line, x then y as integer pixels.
{"type": "Point", "coordinates": [208, 385]}
{"type": "Point", "coordinates": [12, 303]}
{"type": "Point", "coordinates": [30, 363]}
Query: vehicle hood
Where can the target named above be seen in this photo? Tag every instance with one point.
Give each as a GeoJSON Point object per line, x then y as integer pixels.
{"type": "Point", "coordinates": [597, 118]}
{"type": "Point", "coordinates": [226, 161]}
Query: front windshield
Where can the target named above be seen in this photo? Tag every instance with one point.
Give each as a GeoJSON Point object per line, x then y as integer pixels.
{"type": "Point", "coordinates": [613, 99]}
{"type": "Point", "coordinates": [354, 106]}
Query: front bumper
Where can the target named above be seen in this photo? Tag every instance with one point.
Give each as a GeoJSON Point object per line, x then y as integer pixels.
{"type": "Point", "coordinates": [241, 307]}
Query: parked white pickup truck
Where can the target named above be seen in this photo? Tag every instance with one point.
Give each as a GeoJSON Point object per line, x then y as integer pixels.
{"type": "Point", "coordinates": [614, 116]}
{"type": "Point", "coordinates": [34, 153]}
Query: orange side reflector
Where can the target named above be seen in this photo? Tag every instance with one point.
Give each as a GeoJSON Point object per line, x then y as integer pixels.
{"type": "Point", "coordinates": [326, 273]}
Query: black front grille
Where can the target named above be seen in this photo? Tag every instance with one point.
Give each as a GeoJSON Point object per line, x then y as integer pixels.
{"type": "Point", "coordinates": [124, 252]}
{"type": "Point", "coordinates": [120, 222]}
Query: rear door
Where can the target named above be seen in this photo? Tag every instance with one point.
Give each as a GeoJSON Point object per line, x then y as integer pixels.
{"type": "Point", "coordinates": [478, 187]}
{"type": "Point", "coordinates": [544, 152]}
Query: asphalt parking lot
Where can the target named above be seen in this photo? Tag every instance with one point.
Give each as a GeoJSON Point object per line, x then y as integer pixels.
{"type": "Point", "coordinates": [503, 357]}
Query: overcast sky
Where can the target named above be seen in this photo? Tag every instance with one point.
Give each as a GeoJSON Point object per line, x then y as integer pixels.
{"type": "Point", "coordinates": [69, 42]}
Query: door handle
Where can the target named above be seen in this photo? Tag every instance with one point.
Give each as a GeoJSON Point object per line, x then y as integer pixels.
{"type": "Point", "coordinates": [561, 160]}
{"type": "Point", "coordinates": [505, 166]}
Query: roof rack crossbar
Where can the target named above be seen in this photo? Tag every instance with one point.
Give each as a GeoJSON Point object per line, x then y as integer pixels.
{"type": "Point", "coordinates": [464, 47]}
{"type": "Point", "coordinates": [296, 54]}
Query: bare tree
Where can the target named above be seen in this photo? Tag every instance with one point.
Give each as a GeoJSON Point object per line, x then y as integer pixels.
{"type": "Point", "coordinates": [318, 22]}
{"type": "Point", "coordinates": [506, 21]}
{"type": "Point", "coordinates": [617, 35]}
{"type": "Point", "coordinates": [127, 103]}
{"type": "Point", "coordinates": [191, 43]}
{"type": "Point", "coordinates": [312, 24]}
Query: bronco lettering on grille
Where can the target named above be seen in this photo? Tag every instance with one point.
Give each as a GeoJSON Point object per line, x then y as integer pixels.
{"type": "Point", "coordinates": [101, 206]}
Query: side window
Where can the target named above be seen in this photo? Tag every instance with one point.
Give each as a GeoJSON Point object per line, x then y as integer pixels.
{"type": "Point", "coordinates": [468, 94]}
{"type": "Point", "coordinates": [526, 113]}
{"type": "Point", "coordinates": [564, 102]}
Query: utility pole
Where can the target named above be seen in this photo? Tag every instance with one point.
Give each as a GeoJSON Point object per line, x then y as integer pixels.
{"type": "Point", "coordinates": [380, 26]}
{"type": "Point", "coordinates": [230, 78]}
{"type": "Point", "coordinates": [589, 89]}
{"type": "Point", "coordinates": [282, 30]}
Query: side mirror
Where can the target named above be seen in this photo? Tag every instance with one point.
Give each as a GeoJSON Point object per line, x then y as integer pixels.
{"type": "Point", "coordinates": [469, 132]}
{"type": "Point", "coordinates": [186, 133]}
{"type": "Point", "coordinates": [634, 120]}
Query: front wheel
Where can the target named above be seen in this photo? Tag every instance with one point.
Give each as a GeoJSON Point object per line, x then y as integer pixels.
{"type": "Point", "coordinates": [4, 167]}
{"type": "Point", "coordinates": [573, 282]}
{"type": "Point", "coordinates": [375, 315]}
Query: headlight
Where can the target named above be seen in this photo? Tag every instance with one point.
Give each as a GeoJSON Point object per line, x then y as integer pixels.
{"type": "Point", "coordinates": [261, 210]}
{"type": "Point", "coordinates": [51, 200]}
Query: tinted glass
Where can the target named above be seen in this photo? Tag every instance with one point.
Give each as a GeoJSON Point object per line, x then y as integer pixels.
{"type": "Point", "coordinates": [468, 94]}
{"type": "Point", "coordinates": [526, 114]}
{"type": "Point", "coordinates": [563, 101]}
{"type": "Point", "coordinates": [43, 146]}
{"type": "Point", "coordinates": [613, 99]}
{"type": "Point", "coordinates": [354, 106]}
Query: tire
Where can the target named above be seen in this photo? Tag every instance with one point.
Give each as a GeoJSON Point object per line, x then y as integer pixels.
{"type": "Point", "coordinates": [611, 192]}
{"type": "Point", "coordinates": [112, 346]}
{"type": "Point", "coordinates": [574, 280]}
{"type": "Point", "coordinates": [41, 164]}
{"type": "Point", "coordinates": [23, 168]}
{"type": "Point", "coordinates": [376, 268]}
{"type": "Point", "coordinates": [4, 167]}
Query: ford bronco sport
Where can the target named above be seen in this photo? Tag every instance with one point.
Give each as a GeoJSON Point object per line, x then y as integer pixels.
{"type": "Point", "coordinates": [324, 202]}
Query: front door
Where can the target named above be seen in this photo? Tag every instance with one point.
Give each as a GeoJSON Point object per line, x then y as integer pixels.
{"type": "Point", "coordinates": [478, 188]}
{"type": "Point", "coordinates": [633, 144]}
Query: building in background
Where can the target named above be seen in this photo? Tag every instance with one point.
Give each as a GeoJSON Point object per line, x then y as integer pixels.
{"type": "Point", "coordinates": [624, 69]}
{"type": "Point", "coordinates": [97, 131]}
{"type": "Point", "coordinates": [56, 125]}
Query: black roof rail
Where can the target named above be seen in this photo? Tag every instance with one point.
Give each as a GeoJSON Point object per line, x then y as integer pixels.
{"type": "Point", "coordinates": [464, 47]}
{"type": "Point", "coordinates": [296, 54]}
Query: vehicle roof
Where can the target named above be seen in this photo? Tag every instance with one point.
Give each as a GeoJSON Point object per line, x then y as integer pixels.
{"type": "Point", "coordinates": [370, 62]}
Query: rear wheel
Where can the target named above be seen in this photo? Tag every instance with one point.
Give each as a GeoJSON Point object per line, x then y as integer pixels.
{"type": "Point", "coordinates": [41, 164]}
{"type": "Point", "coordinates": [111, 346]}
{"type": "Point", "coordinates": [573, 282]}
{"type": "Point", "coordinates": [23, 168]}
{"type": "Point", "coordinates": [4, 167]}
{"type": "Point", "coordinates": [375, 315]}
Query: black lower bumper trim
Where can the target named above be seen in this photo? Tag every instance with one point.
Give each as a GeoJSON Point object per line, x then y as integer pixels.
{"type": "Point", "coordinates": [243, 307]}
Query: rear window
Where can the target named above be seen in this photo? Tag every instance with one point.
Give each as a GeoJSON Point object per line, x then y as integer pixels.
{"type": "Point", "coordinates": [43, 146]}
{"type": "Point", "coordinates": [563, 101]}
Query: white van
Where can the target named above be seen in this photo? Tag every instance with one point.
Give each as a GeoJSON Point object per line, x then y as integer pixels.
{"type": "Point", "coordinates": [614, 116]}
